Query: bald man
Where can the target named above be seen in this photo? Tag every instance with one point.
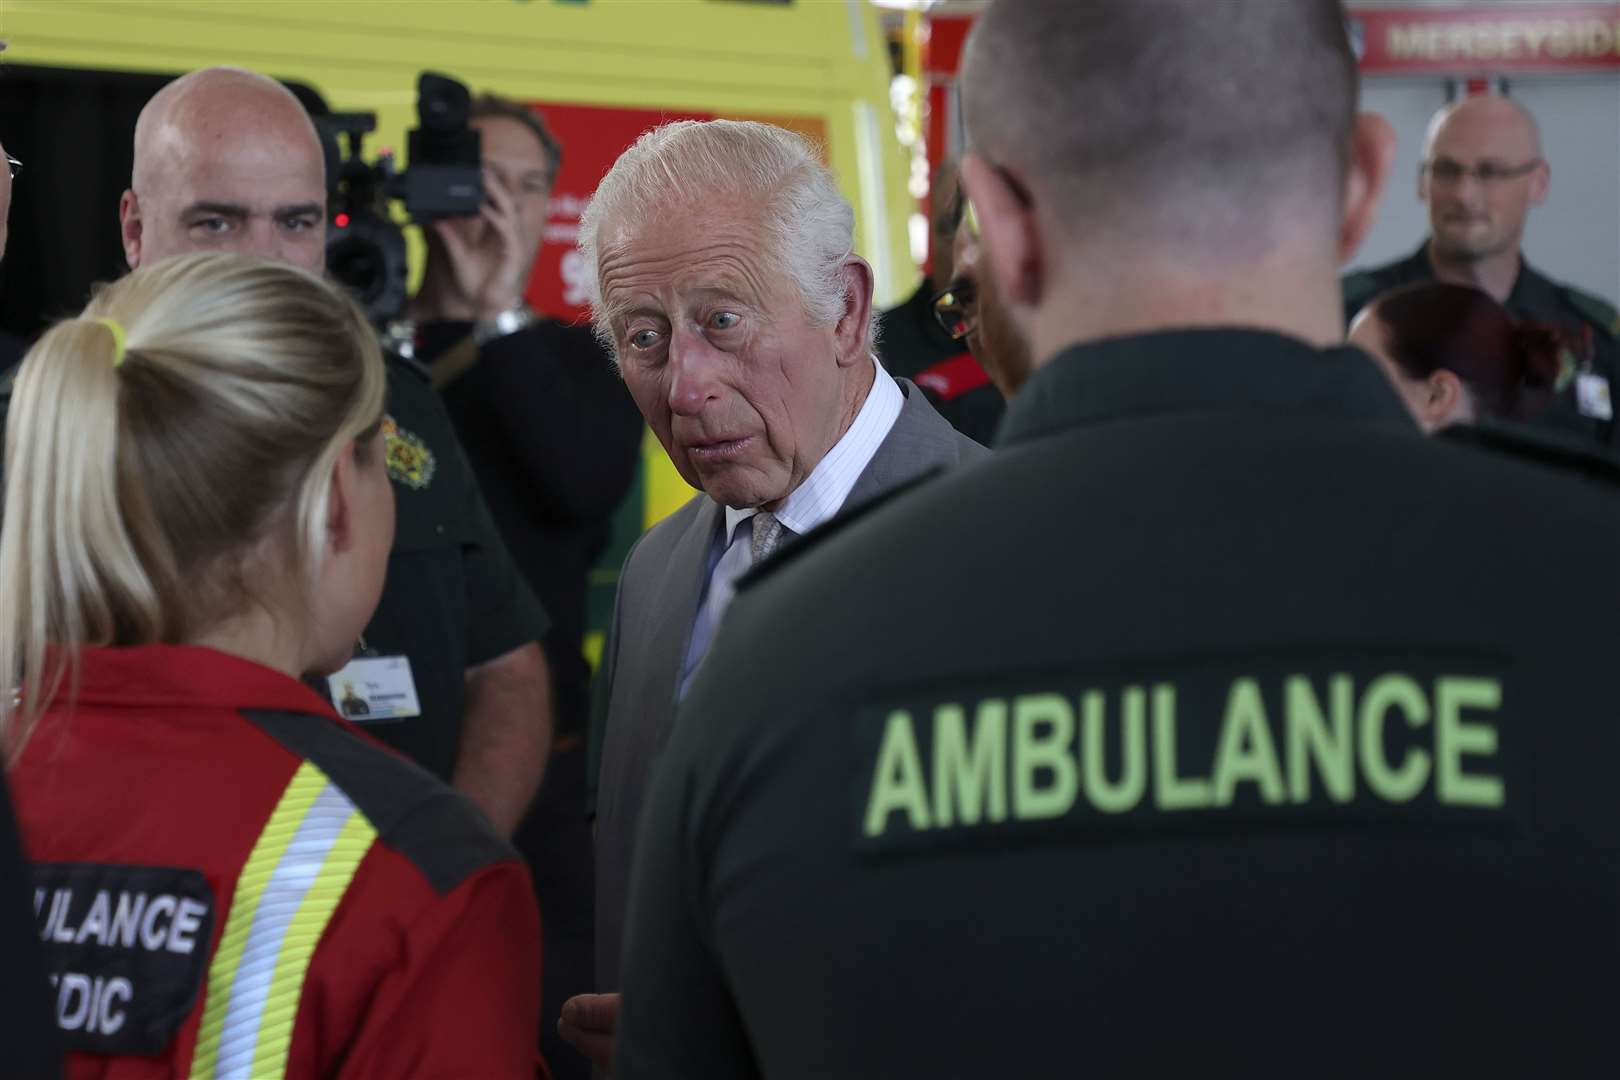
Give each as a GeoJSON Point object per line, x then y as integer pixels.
{"type": "Point", "coordinates": [1483, 172]}
{"type": "Point", "coordinates": [228, 160]}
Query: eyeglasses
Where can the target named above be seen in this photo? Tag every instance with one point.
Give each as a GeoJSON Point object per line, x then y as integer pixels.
{"type": "Point", "coordinates": [1446, 171]}
{"type": "Point", "coordinates": [957, 309]}
{"type": "Point", "coordinates": [16, 166]}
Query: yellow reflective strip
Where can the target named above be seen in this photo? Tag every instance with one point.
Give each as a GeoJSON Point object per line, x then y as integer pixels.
{"type": "Point", "coordinates": [272, 843]}
{"type": "Point", "coordinates": [303, 934]}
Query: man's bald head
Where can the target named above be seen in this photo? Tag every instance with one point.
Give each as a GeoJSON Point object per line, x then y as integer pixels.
{"type": "Point", "coordinates": [1483, 171]}
{"type": "Point", "coordinates": [1501, 122]}
{"type": "Point", "coordinates": [226, 160]}
{"type": "Point", "coordinates": [1197, 125]}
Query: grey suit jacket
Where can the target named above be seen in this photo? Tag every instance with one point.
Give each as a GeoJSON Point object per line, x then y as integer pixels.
{"type": "Point", "coordinates": [659, 590]}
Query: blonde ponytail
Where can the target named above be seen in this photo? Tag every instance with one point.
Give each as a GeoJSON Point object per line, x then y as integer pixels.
{"type": "Point", "coordinates": [142, 474]}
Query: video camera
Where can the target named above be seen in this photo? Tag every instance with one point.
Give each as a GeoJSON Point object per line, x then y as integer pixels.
{"type": "Point", "coordinates": [365, 249]}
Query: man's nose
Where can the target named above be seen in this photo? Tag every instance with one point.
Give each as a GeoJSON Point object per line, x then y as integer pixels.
{"type": "Point", "coordinates": [260, 239]}
{"type": "Point", "coordinates": [1468, 187]}
{"type": "Point", "coordinates": [694, 367]}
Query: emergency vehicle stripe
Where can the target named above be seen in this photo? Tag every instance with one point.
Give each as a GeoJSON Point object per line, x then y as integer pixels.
{"type": "Point", "coordinates": [307, 848]}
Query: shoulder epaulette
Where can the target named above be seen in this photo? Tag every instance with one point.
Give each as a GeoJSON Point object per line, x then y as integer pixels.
{"type": "Point", "coordinates": [1600, 313]}
{"type": "Point", "coordinates": [1567, 453]}
{"type": "Point", "coordinates": [432, 826]}
{"type": "Point", "coordinates": [802, 546]}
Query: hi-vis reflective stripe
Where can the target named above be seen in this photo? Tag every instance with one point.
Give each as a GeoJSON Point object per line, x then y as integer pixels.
{"type": "Point", "coordinates": [300, 868]}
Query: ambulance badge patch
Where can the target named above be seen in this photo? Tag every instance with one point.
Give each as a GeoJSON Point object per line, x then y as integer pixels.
{"type": "Point", "coordinates": [410, 462]}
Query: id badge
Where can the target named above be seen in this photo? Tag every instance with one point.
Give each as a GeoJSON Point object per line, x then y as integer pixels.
{"type": "Point", "coordinates": [375, 690]}
{"type": "Point", "coordinates": [1592, 396]}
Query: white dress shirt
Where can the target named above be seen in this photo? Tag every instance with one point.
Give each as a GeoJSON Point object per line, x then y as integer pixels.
{"type": "Point", "coordinates": [812, 503]}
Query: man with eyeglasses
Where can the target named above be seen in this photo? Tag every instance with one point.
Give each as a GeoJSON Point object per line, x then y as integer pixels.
{"type": "Point", "coordinates": [1483, 171]}
{"type": "Point", "coordinates": [972, 309]}
{"type": "Point", "coordinates": [925, 338]}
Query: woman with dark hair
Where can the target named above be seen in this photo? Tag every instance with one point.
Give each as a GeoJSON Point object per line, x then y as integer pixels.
{"type": "Point", "coordinates": [1455, 355]}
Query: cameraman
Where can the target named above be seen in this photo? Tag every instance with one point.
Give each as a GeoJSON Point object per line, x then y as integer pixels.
{"type": "Point", "coordinates": [554, 439]}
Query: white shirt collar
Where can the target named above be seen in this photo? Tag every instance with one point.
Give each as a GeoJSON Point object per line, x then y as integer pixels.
{"type": "Point", "coordinates": [824, 492]}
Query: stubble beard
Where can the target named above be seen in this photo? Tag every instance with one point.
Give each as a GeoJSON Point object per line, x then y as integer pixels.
{"type": "Point", "coordinates": [1473, 251]}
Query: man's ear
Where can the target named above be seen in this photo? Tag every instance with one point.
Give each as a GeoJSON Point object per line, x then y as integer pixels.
{"type": "Point", "coordinates": [129, 227]}
{"type": "Point", "coordinates": [854, 330]}
{"type": "Point", "coordinates": [1372, 155]}
{"type": "Point", "coordinates": [340, 503]}
{"type": "Point", "coordinates": [1009, 234]}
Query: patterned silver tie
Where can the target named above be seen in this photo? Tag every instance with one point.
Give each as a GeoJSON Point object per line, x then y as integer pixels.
{"type": "Point", "coordinates": [768, 535]}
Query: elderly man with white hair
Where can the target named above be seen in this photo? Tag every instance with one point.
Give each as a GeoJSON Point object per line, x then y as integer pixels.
{"type": "Point", "coordinates": [741, 319]}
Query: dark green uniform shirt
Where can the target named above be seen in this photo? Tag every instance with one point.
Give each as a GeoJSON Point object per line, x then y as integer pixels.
{"type": "Point", "coordinates": [453, 598]}
{"type": "Point", "coordinates": [1592, 325]}
{"type": "Point", "coordinates": [1264, 737]}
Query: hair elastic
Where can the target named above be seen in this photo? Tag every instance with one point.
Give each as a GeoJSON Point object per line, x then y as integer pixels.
{"type": "Point", "coordinates": [116, 328]}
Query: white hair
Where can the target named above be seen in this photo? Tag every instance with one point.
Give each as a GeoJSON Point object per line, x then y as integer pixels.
{"type": "Point", "coordinates": [731, 162]}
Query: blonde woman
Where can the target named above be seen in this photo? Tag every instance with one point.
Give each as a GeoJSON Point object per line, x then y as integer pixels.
{"type": "Point", "coordinates": [228, 879]}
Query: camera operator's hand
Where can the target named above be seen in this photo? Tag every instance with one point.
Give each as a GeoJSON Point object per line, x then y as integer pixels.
{"type": "Point", "coordinates": [489, 263]}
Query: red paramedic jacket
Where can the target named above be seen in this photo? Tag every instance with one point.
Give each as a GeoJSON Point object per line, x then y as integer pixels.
{"type": "Point", "coordinates": [229, 880]}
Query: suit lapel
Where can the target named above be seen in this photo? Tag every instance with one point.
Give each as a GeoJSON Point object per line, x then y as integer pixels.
{"type": "Point", "coordinates": [676, 610]}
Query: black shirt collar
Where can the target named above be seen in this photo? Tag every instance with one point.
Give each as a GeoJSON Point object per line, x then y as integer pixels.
{"type": "Point", "coordinates": [1532, 296]}
{"type": "Point", "coordinates": [1200, 371]}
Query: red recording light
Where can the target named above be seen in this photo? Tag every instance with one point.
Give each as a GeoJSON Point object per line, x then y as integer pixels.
{"type": "Point", "coordinates": [341, 221]}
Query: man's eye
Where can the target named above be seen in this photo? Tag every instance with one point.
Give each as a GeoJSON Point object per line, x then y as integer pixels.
{"type": "Point", "coordinates": [644, 339]}
{"type": "Point", "coordinates": [212, 225]}
{"type": "Point", "coordinates": [298, 224]}
{"type": "Point", "coordinates": [724, 320]}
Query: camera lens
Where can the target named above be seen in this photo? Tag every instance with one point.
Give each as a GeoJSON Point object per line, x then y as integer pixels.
{"type": "Point", "coordinates": [359, 265]}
